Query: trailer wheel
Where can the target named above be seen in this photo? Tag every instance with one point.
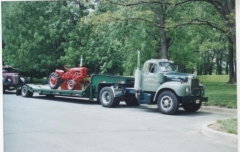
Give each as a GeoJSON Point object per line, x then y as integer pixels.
{"type": "Point", "coordinates": [54, 80]}
{"type": "Point", "coordinates": [107, 98]}
{"type": "Point", "coordinates": [131, 101]}
{"type": "Point", "coordinates": [168, 103]}
{"type": "Point", "coordinates": [192, 107]}
{"type": "Point", "coordinates": [26, 92]}
{"type": "Point", "coordinates": [71, 84]}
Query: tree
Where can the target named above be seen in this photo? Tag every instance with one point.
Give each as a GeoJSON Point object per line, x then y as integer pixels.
{"type": "Point", "coordinates": [226, 10]}
{"type": "Point", "coordinates": [46, 33]}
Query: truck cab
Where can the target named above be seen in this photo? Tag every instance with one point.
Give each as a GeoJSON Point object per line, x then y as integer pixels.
{"type": "Point", "coordinates": [158, 82]}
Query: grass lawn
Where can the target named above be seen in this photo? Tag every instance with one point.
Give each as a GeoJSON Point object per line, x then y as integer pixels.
{"type": "Point", "coordinates": [229, 125]}
{"type": "Point", "coordinates": [218, 92]}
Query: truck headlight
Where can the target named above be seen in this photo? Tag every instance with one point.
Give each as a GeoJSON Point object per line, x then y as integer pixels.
{"type": "Point", "coordinates": [187, 90]}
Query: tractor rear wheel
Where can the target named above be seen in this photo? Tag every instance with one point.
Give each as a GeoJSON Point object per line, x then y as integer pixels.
{"type": "Point", "coordinates": [54, 80]}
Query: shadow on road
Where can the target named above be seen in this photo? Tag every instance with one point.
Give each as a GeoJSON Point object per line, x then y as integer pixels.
{"type": "Point", "coordinates": [6, 93]}
{"type": "Point", "coordinates": [67, 99]}
{"type": "Point", "coordinates": [143, 108]}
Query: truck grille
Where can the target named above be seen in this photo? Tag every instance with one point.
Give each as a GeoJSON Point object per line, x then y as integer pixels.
{"type": "Point", "coordinates": [15, 79]}
{"type": "Point", "coordinates": [196, 90]}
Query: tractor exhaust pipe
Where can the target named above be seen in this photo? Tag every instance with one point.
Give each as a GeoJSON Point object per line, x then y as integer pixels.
{"type": "Point", "coordinates": [81, 61]}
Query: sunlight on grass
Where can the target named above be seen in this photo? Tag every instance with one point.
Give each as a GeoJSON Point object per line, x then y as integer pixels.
{"type": "Point", "coordinates": [218, 92]}
{"type": "Point", "coordinates": [229, 125]}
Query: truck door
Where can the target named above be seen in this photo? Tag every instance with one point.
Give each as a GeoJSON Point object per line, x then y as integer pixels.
{"type": "Point", "coordinates": [149, 77]}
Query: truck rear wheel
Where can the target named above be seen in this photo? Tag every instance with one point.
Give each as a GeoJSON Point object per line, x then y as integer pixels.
{"type": "Point", "coordinates": [26, 92]}
{"type": "Point", "coordinates": [106, 98]}
{"type": "Point", "coordinates": [54, 80]}
{"type": "Point", "coordinates": [191, 107]}
{"type": "Point", "coordinates": [168, 103]}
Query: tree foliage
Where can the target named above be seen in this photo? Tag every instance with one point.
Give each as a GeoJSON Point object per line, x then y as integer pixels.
{"type": "Point", "coordinates": [52, 34]}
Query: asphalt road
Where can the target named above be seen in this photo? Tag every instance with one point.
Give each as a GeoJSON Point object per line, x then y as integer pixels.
{"type": "Point", "coordinates": [62, 124]}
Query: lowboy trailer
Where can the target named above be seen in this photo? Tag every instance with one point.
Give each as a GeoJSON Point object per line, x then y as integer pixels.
{"type": "Point", "coordinates": [157, 82]}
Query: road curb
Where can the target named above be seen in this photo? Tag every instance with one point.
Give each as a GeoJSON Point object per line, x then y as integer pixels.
{"type": "Point", "coordinates": [219, 135]}
{"type": "Point", "coordinates": [218, 109]}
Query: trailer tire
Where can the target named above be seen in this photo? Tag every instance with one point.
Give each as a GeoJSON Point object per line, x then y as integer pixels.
{"type": "Point", "coordinates": [168, 102]}
{"type": "Point", "coordinates": [131, 101]}
{"type": "Point", "coordinates": [192, 107]}
{"type": "Point", "coordinates": [54, 80]}
{"type": "Point", "coordinates": [26, 92]}
{"type": "Point", "coordinates": [106, 98]}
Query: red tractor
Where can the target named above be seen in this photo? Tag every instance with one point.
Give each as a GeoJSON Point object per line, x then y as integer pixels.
{"type": "Point", "coordinates": [72, 79]}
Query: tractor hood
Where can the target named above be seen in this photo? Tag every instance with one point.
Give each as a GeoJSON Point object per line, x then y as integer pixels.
{"type": "Point", "coordinates": [177, 76]}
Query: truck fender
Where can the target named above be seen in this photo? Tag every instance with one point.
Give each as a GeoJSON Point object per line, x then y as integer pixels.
{"type": "Point", "coordinates": [177, 87]}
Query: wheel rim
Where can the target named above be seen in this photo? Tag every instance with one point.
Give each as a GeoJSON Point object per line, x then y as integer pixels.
{"type": "Point", "coordinates": [70, 85]}
{"type": "Point", "coordinates": [106, 97]}
{"type": "Point", "coordinates": [166, 102]}
{"type": "Point", "coordinates": [53, 81]}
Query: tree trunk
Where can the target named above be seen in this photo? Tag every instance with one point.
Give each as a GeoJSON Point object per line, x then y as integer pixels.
{"type": "Point", "coordinates": [161, 20]}
{"type": "Point", "coordinates": [230, 62]}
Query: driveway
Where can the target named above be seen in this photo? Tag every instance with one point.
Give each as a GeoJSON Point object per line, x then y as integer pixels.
{"type": "Point", "coordinates": [40, 124]}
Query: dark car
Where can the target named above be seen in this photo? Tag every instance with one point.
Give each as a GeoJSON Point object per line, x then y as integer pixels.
{"type": "Point", "coordinates": [10, 78]}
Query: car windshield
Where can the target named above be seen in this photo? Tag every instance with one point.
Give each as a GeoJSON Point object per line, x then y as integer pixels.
{"type": "Point", "coordinates": [7, 70]}
{"type": "Point", "coordinates": [167, 66]}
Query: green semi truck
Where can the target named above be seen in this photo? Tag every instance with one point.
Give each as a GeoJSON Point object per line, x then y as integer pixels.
{"type": "Point", "coordinates": [157, 82]}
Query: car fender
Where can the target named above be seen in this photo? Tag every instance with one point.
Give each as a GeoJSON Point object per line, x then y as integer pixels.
{"type": "Point", "coordinates": [177, 87]}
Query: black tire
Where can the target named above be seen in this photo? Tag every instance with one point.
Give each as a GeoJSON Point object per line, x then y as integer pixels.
{"type": "Point", "coordinates": [193, 107]}
{"type": "Point", "coordinates": [71, 84]}
{"type": "Point", "coordinates": [168, 103]}
{"type": "Point", "coordinates": [131, 101]}
{"type": "Point", "coordinates": [18, 92]}
{"type": "Point", "coordinates": [54, 80]}
{"type": "Point", "coordinates": [106, 98]}
{"type": "Point", "coordinates": [26, 92]}
{"type": "Point", "coordinates": [4, 89]}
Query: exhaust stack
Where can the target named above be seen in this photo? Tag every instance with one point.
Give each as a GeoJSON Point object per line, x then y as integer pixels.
{"type": "Point", "coordinates": [138, 72]}
{"type": "Point", "coordinates": [81, 61]}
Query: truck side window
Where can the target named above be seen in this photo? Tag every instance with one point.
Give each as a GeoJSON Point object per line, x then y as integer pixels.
{"type": "Point", "coordinates": [153, 68]}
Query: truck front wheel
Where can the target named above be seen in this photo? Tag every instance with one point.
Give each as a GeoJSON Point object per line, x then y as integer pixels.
{"type": "Point", "coordinates": [168, 103]}
{"type": "Point", "coordinates": [107, 98]}
{"type": "Point", "coordinates": [26, 92]}
{"type": "Point", "coordinates": [193, 107]}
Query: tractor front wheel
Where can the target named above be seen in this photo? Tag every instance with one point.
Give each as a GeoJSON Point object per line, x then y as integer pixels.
{"type": "Point", "coordinates": [54, 80]}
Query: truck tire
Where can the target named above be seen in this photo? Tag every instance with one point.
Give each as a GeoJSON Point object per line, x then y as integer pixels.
{"type": "Point", "coordinates": [26, 92]}
{"type": "Point", "coordinates": [106, 98]}
{"type": "Point", "coordinates": [18, 92]}
{"type": "Point", "coordinates": [4, 89]}
{"type": "Point", "coordinates": [131, 101]}
{"type": "Point", "coordinates": [54, 80]}
{"type": "Point", "coordinates": [168, 103]}
{"type": "Point", "coordinates": [192, 107]}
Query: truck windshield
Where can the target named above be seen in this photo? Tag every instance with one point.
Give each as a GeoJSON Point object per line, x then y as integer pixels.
{"type": "Point", "coordinates": [167, 66]}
